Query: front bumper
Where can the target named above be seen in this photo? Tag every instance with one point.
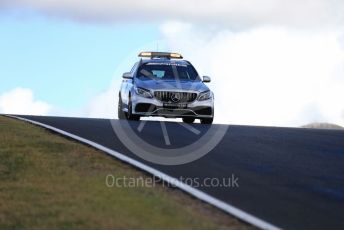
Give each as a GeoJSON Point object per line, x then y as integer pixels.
{"type": "Point", "coordinates": [153, 107]}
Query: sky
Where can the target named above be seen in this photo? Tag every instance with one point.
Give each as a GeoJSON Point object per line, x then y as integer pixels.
{"type": "Point", "coordinates": [272, 62]}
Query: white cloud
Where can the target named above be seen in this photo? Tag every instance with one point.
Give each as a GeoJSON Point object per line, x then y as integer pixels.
{"type": "Point", "coordinates": [267, 75]}
{"type": "Point", "coordinates": [233, 13]}
{"type": "Point", "coordinates": [22, 101]}
{"type": "Point", "coordinates": [103, 105]}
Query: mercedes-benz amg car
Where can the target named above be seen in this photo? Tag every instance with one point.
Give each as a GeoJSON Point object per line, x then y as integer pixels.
{"type": "Point", "coordinates": [164, 84]}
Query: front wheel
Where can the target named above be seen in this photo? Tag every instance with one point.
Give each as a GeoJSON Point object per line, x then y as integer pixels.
{"type": "Point", "coordinates": [207, 120]}
{"type": "Point", "coordinates": [120, 113]}
{"type": "Point", "coordinates": [130, 115]}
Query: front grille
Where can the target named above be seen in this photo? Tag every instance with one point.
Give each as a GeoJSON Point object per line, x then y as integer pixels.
{"type": "Point", "coordinates": [166, 96]}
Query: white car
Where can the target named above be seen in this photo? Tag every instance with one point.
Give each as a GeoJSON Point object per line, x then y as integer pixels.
{"type": "Point", "coordinates": [162, 84]}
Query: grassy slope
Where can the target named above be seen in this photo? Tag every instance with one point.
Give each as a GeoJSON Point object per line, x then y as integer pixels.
{"type": "Point", "coordinates": [48, 181]}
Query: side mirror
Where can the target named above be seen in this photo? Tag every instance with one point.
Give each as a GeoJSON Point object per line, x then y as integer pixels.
{"type": "Point", "coordinates": [127, 75]}
{"type": "Point", "coordinates": [206, 79]}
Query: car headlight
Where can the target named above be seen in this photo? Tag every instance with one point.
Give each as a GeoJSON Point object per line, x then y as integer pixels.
{"type": "Point", "coordinates": [204, 96]}
{"type": "Point", "coordinates": [143, 92]}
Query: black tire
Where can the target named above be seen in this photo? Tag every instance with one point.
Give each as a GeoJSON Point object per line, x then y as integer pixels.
{"type": "Point", "coordinates": [188, 119]}
{"type": "Point", "coordinates": [130, 115]}
{"type": "Point", "coordinates": [207, 120]}
{"type": "Point", "coordinates": [120, 112]}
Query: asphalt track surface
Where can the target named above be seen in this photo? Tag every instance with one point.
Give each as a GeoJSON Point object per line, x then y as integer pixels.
{"type": "Point", "coordinates": [292, 178]}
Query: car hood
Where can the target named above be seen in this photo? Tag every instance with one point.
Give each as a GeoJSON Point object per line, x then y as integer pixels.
{"type": "Point", "coordinates": [171, 85]}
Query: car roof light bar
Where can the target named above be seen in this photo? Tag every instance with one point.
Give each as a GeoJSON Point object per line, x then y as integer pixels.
{"type": "Point", "coordinates": [160, 55]}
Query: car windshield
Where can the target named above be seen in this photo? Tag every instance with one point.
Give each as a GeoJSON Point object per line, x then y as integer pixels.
{"type": "Point", "coordinates": [167, 72]}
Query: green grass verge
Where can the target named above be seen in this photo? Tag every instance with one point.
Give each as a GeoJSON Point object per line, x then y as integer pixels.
{"type": "Point", "coordinates": [50, 182]}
